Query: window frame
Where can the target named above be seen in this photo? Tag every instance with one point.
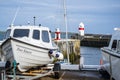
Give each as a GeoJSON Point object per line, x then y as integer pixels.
{"type": "Point", "coordinates": [114, 44]}
{"type": "Point", "coordinates": [18, 33]}
{"type": "Point", "coordinates": [35, 35]}
{"type": "Point", "coordinates": [43, 36]}
{"type": "Point", "coordinates": [118, 46]}
{"type": "Point", "coordinates": [7, 34]}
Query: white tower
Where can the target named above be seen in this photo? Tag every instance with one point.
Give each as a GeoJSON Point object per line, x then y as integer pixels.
{"type": "Point", "coordinates": [81, 29]}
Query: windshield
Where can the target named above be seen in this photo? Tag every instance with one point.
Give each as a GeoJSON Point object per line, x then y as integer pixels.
{"type": "Point", "coordinates": [36, 34]}
{"type": "Point", "coordinates": [7, 34]}
{"type": "Point", "coordinates": [45, 36]}
{"type": "Point", "coordinates": [21, 33]}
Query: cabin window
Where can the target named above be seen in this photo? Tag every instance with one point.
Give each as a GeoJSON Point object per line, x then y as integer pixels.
{"type": "Point", "coordinates": [21, 33]}
{"type": "Point", "coordinates": [45, 36]}
{"type": "Point", "coordinates": [36, 34]}
{"type": "Point", "coordinates": [114, 44]}
{"type": "Point", "coordinates": [119, 45]}
{"type": "Point", "coordinates": [7, 34]}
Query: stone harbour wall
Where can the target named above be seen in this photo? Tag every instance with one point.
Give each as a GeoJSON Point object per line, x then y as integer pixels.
{"type": "Point", "coordinates": [73, 49]}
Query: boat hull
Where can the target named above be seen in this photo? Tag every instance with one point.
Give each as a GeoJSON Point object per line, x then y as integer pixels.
{"type": "Point", "coordinates": [111, 63]}
{"type": "Point", "coordinates": [26, 55]}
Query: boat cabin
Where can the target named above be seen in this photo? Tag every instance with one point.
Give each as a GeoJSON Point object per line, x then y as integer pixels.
{"type": "Point", "coordinates": [31, 33]}
{"type": "Point", "coordinates": [115, 41]}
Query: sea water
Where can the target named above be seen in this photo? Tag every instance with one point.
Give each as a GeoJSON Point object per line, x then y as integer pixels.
{"type": "Point", "coordinates": [91, 55]}
{"type": "Point", "coordinates": [1, 36]}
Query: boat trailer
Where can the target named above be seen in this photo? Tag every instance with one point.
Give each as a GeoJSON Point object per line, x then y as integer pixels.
{"type": "Point", "coordinates": [50, 69]}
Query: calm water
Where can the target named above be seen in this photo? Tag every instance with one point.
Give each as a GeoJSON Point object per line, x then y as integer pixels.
{"type": "Point", "coordinates": [91, 55]}
{"type": "Point", "coordinates": [1, 36]}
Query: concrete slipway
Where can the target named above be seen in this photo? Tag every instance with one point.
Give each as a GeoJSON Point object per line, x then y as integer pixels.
{"type": "Point", "coordinates": [76, 75]}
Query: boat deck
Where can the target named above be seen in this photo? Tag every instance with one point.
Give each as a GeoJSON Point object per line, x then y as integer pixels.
{"type": "Point", "coordinates": [76, 75]}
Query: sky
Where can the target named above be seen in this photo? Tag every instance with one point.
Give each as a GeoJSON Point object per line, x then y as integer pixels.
{"type": "Point", "coordinates": [98, 16]}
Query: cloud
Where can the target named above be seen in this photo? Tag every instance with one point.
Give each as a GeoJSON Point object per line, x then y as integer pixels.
{"type": "Point", "coordinates": [50, 12]}
{"type": "Point", "coordinates": [50, 17]}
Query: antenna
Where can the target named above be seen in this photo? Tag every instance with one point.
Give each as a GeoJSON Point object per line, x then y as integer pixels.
{"type": "Point", "coordinates": [15, 16]}
{"type": "Point", "coordinates": [65, 19]}
{"type": "Point", "coordinates": [34, 20]}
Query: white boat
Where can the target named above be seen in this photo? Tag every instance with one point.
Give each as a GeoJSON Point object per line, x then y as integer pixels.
{"type": "Point", "coordinates": [111, 56]}
{"type": "Point", "coordinates": [29, 46]}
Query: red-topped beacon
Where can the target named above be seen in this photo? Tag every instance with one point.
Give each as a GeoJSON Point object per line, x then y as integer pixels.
{"type": "Point", "coordinates": [81, 29]}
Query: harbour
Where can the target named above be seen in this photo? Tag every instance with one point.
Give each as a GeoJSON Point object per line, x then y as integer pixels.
{"type": "Point", "coordinates": [92, 56]}
{"type": "Point", "coordinates": [90, 40]}
{"type": "Point", "coordinates": [33, 52]}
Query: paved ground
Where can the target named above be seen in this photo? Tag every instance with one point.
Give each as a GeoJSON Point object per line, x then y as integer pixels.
{"type": "Point", "coordinates": [76, 75]}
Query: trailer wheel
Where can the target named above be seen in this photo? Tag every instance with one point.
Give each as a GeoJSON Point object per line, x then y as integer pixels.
{"type": "Point", "coordinates": [56, 70]}
{"type": "Point", "coordinates": [104, 73]}
{"type": "Point", "coordinates": [57, 75]}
